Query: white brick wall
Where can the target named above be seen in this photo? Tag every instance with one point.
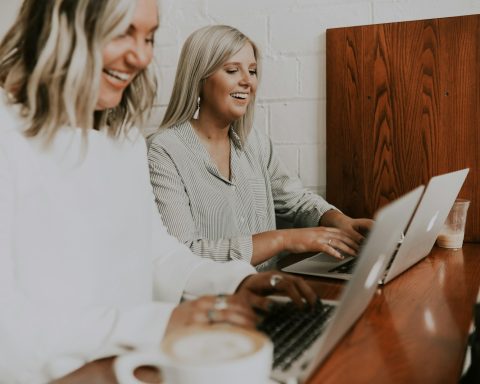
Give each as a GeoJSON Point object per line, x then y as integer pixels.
{"type": "Point", "coordinates": [291, 35]}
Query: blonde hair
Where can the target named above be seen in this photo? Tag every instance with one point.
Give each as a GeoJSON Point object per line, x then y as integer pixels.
{"type": "Point", "coordinates": [203, 53]}
{"type": "Point", "coordinates": [51, 64]}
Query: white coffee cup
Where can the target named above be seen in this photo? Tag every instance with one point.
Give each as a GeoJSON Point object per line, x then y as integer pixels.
{"type": "Point", "coordinates": [215, 354]}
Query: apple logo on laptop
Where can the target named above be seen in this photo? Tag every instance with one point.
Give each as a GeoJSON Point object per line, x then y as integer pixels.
{"type": "Point", "coordinates": [432, 221]}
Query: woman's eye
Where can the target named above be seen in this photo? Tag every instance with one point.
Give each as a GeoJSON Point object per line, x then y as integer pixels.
{"type": "Point", "coordinates": [231, 70]}
{"type": "Point", "coordinates": [253, 72]}
{"type": "Point", "coordinates": [150, 40]}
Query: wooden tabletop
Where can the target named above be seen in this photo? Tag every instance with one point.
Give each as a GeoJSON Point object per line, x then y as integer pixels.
{"type": "Point", "coordinates": [414, 330]}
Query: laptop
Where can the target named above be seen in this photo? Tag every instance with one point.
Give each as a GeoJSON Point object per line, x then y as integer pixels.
{"type": "Point", "coordinates": [419, 238]}
{"type": "Point", "coordinates": [301, 346]}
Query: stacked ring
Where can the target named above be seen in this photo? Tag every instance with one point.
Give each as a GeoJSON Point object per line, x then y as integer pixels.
{"type": "Point", "coordinates": [275, 279]}
{"type": "Point", "coordinates": [220, 303]}
{"type": "Point", "coordinates": [211, 315]}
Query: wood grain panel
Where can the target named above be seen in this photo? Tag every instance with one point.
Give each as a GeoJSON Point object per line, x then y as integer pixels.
{"type": "Point", "coordinates": [403, 105]}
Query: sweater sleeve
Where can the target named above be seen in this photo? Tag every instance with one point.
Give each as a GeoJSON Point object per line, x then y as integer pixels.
{"type": "Point", "coordinates": [42, 341]}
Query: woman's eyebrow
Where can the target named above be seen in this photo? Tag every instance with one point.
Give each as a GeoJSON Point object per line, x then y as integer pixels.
{"type": "Point", "coordinates": [238, 63]}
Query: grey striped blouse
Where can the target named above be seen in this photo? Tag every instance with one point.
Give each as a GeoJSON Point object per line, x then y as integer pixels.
{"type": "Point", "coordinates": [217, 217]}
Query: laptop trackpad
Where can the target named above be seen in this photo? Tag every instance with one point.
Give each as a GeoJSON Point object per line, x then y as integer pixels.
{"type": "Point", "coordinates": [323, 257]}
{"type": "Point", "coordinates": [320, 263]}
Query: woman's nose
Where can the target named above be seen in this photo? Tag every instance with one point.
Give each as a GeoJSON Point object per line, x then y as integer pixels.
{"type": "Point", "coordinates": [140, 55]}
{"type": "Point", "coordinates": [246, 80]}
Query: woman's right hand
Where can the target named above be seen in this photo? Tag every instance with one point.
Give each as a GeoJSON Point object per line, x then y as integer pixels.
{"type": "Point", "coordinates": [231, 309]}
{"type": "Point", "coordinates": [331, 241]}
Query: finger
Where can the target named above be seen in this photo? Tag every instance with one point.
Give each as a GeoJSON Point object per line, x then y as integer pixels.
{"type": "Point", "coordinates": [232, 316]}
{"type": "Point", "coordinates": [242, 304]}
{"type": "Point", "coordinates": [259, 302]}
{"type": "Point", "coordinates": [287, 286]}
{"type": "Point", "coordinates": [306, 291]}
{"type": "Point", "coordinates": [347, 234]}
{"type": "Point", "coordinates": [340, 248]}
{"type": "Point", "coordinates": [363, 226]}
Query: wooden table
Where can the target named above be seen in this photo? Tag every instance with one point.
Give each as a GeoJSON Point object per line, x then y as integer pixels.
{"type": "Point", "coordinates": [414, 330]}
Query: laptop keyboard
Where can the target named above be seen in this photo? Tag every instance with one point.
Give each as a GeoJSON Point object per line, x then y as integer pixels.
{"type": "Point", "coordinates": [346, 267]}
{"type": "Point", "coordinates": [292, 330]}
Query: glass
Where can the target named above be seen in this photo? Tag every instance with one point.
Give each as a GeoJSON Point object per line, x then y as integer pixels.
{"type": "Point", "coordinates": [453, 230]}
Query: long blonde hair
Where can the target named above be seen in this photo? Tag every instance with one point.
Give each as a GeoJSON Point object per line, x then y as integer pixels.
{"type": "Point", "coordinates": [51, 64]}
{"type": "Point", "coordinates": [203, 53]}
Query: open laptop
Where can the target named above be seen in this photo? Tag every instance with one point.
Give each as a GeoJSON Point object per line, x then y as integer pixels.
{"type": "Point", "coordinates": [307, 345]}
{"type": "Point", "coordinates": [420, 236]}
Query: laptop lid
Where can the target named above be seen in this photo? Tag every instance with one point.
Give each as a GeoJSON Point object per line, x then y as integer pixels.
{"type": "Point", "coordinates": [390, 221]}
{"type": "Point", "coordinates": [427, 221]}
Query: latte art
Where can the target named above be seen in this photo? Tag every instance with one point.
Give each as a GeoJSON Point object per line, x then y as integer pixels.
{"type": "Point", "coordinates": [212, 345]}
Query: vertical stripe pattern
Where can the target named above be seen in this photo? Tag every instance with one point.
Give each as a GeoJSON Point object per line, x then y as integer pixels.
{"type": "Point", "coordinates": [217, 217]}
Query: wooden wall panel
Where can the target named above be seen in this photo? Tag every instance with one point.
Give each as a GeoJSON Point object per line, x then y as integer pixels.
{"type": "Point", "coordinates": [403, 104]}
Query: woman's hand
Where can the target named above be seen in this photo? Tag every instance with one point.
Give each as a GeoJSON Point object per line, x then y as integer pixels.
{"type": "Point", "coordinates": [233, 309]}
{"type": "Point", "coordinates": [332, 241]}
{"type": "Point", "coordinates": [356, 229]}
{"type": "Point", "coordinates": [255, 288]}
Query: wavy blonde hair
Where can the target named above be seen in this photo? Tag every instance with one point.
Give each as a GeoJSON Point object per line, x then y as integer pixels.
{"type": "Point", "coordinates": [203, 53]}
{"type": "Point", "coordinates": [51, 64]}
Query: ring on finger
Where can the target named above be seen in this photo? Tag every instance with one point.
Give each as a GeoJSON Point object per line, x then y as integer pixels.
{"type": "Point", "coordinates": [212, 316]}
{"type": "Point", "coordinates": [220, 303]}
{"type": "Point", "coordinates": [275, 279]}
{"type": "Point", "coordinates": [330, 242]}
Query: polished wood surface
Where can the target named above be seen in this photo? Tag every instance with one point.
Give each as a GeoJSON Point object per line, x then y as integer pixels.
{"type": "Point", "coordinates": [414, 330]}
{"type": "Point", "coordinates": [402, 106]}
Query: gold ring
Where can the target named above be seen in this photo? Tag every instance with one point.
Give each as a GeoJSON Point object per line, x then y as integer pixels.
{"type": "Point", "coordinates": [220, 303]}
{"type": "Point", "coordinates": [330, 242]}
{"type": "Point", "coordinates": [275, 279]}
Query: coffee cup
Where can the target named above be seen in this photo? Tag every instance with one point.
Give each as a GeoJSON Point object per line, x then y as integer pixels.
{"type": "Point", "coordinates": [214, 354]}
{"type": "Point", "coordinates": [452, 233]}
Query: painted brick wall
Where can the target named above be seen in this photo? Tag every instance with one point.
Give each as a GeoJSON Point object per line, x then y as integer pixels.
{"type": "Point", "coordinates": [291, 35]}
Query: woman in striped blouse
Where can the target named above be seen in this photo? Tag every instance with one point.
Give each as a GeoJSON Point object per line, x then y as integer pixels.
{"type": "Point", "coordinates": [219, 184]}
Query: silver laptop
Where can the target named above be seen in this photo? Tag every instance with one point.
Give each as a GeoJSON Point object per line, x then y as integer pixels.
{"type": "Point", "coordinates": [420, 235]}
{"type": "Point", "coordinates": [391, 220]}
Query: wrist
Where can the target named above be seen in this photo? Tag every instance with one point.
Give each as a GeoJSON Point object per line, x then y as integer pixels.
{"type": "Point", "coordinates": [330, 218]}
{"type": "Point", "coordinates": [242, 283]}
{"type": "Point", "coordinates": [283, 240]}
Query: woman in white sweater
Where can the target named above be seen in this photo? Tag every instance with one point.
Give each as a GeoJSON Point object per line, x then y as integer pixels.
{"type": "Point", "coordinates": [87, 268]}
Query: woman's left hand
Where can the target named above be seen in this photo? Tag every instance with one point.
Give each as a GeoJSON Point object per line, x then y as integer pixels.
{"type": "Point", "coordinates": [357, 229]}
{"type": "Point", "coordinates": [256, 287]}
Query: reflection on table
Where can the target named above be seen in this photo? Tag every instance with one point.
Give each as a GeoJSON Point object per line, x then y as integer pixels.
{"type": "Point", "coordinates": [414, 330]}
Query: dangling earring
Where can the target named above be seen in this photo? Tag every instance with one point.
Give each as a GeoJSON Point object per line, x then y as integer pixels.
{"type": "Point", "coordinates": [197, 111]}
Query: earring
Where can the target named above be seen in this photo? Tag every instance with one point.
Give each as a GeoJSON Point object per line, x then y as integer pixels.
{"type": "Point", "coordinates": [197, 111]}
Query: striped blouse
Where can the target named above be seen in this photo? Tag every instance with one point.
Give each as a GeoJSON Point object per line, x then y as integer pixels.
{"type": "Point", "coordinates": [217, 217]}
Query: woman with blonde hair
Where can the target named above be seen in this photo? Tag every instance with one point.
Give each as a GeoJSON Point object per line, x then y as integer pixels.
{"type": "Point", "coordinates": [219, 184]}
{"type": "Point", "coordinates": [87, 269]}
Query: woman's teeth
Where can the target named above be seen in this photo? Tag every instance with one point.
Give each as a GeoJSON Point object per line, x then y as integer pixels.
{"type": "Point", "coordinates": [116, 74]}
{"type": "Point", "coordinates": [238, 95]}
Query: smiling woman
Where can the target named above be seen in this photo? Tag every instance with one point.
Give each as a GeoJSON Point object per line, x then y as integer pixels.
{"type": "Point", "coordinates": [219, 184]}
{"type": "Point", "coordinates": [127, 55]}
{"type": "Point", "coordinates": [53, 70]}
{"type": "Point", "coordinates": [87, 268]}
